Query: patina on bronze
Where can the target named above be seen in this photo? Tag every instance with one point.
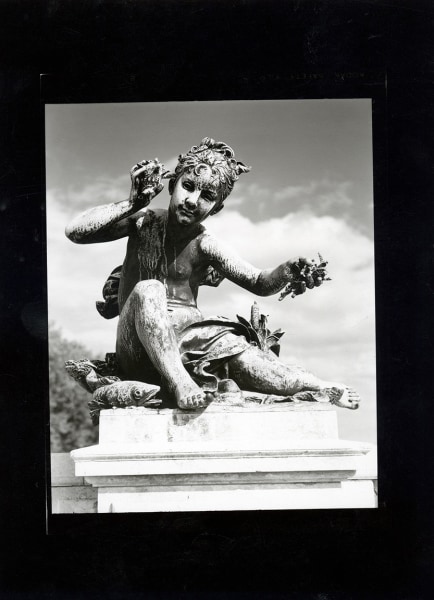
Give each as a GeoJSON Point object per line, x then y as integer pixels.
{"type": "Point", "coordinates": [162, 337]}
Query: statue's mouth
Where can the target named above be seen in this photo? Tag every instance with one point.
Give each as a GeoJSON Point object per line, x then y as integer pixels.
{"type": "Point", "coordinates": [185, 212]}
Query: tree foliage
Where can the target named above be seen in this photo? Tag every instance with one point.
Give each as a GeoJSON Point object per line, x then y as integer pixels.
{"type": "Point", "coordinates": [70, 423]}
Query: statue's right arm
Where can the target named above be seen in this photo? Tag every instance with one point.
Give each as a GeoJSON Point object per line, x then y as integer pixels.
{"type": "Point", "coordinates": [111, 222]}
{"type": "Point", "coordinates": [101, 224]}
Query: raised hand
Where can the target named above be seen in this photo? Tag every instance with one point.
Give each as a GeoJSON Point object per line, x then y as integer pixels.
{"type": "Point", "coordinates": [304, 274]}
{"type": "Point", "coordinates": [146, 182]}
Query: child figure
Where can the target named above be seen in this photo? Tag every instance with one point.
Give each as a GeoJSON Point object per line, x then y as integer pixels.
{"type": "Point", "coordinates": [162, 336]}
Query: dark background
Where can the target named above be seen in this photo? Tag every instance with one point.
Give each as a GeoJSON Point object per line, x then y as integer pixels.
{"type": "Point", "coordinates": [210, 50]}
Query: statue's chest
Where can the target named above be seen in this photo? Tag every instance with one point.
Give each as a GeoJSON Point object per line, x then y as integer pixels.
{"type": "Point", "coordinates": [162, 256]}
{"type": "Point", "coordinates": [180, 263]}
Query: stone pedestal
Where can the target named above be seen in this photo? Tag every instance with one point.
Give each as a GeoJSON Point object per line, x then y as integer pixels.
{"type": "Point", "coordinates": [69, 493]}
{"type": "Point", "coordinates": [224, 458]}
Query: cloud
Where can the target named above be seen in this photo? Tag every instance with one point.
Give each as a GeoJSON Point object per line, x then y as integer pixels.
{"type": "Point", "coordinates": [76, 274]}
{"type": "Point", "coordinates": [320, 197]}
{"type": "Point", "coordinates": [323, 195]}
{"type": "Point", "coordinates": [103, 189]}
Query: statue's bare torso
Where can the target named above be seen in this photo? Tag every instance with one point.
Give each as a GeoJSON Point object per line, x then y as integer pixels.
{"type": "Point", "coordinates": [186, 265]}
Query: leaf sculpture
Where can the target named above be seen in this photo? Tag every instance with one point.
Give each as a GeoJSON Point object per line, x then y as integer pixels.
{"type": "Point", "coordinates": [259, 332]}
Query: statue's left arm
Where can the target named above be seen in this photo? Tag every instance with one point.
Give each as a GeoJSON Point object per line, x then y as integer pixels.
{"type": "Point", "coordinates": [265, 282]}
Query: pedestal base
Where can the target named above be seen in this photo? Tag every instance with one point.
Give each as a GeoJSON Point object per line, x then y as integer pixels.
{"type": "Point", "coordinates": [286, 457]}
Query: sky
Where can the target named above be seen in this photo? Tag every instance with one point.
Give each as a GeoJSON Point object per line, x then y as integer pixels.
{"type": "Point", "coordinates": [310, 190]}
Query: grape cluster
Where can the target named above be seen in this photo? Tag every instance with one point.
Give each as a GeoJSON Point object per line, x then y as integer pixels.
{"type": "Point", "coordinates": [305, 277]}
{"type": "Point", "coordinates": [150, 178]}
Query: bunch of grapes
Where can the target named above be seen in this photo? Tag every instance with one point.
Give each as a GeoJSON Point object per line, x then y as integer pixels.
{"type": "Point", "coordinates": [306, 277]}
{"type": "Point", "coordinates": [146, 177]}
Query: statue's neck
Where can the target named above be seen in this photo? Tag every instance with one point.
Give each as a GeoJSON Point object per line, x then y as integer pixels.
{"type": "Point", "coordinates": [179, 234]}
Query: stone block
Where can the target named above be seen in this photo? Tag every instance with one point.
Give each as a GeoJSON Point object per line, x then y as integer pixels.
{"type": "Point", "coordinates": [78, 499]}
{"type": "Point", "coordinates": [288, 422]}
{"type": "Point", "coordinates": [70, 493]}
{"type": "Point", "coordinates": [279, 457]}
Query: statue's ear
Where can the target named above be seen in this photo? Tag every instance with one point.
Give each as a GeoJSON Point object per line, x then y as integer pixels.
{"type": "Point", "coordinates": [171, 186]}
{"type": "Point", "coordinates": [242, 168]}
{"type": "Point", "coordinates": [217, 208]}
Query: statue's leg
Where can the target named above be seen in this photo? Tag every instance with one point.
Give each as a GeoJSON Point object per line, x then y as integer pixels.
{"type": "Point", "coordinates": [144, 327]}
{"type": "Point", "coordinates": [258, 371]}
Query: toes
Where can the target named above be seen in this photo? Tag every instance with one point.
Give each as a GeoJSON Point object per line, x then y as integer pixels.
{"type": "Point", "coordinates": [197, 399]}
{"type": "Point", "coordinates": [354, 401]}
{"type": "Point", "coordinates": [343, 397]}
{"type": "Point", "coordinates": [352, 398]}
{"type": "Point", "coordinates": [194, 401]}
{"type": "Point", "coordinates": [190, 402]}
{"type": "Point", "coordinates": [353, 404]}
{"type": "Point", "coordinates": [200, 400]}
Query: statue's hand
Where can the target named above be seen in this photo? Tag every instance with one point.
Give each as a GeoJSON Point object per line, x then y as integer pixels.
{"type": "Point", "coordinates": [146, 182]}
{"type": "Point", "coordinates": [304, 274]}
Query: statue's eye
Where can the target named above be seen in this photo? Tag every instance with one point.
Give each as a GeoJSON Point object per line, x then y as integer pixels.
{"type": "Point", "coordinates": [188, 185]}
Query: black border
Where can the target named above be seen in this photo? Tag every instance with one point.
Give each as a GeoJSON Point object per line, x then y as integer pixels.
{"type": "Point", "coordinates": [197, 50]}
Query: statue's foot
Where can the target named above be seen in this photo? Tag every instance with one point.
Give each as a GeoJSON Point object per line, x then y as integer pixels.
{"type": "Point", "coordinates": [190, 396]}
{"type": "Point", "coordinates": [335, 393]}
{"type": "Point", "coordinates": [343, 396]}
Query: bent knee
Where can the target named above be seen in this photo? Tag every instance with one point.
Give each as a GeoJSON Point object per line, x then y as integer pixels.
{"type": "Point", "coordinates": [149, 286]}
{"type": "Point", "coordinates": [151, 289]}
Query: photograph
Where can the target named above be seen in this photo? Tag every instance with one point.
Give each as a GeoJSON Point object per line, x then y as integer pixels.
{"type": "Point", "coordinates": [212, 264]}
{"type": "Point", "coordinates": [216, 297]}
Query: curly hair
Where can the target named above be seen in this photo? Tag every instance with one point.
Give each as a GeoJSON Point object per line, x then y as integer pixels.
{"type": "Point", "coordinates": [217, 156]}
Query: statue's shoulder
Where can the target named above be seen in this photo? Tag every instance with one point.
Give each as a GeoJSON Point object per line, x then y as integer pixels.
{"type": "Point", "coordinates": [148, 216]}
{"type": "Point", "coordinates": [205, 239]}
{"type": "Point", "coordinates": [203, 233]}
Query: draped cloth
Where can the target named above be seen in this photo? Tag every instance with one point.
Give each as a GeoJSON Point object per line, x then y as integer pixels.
{"type": "Point", "coordinates": [207, 346]}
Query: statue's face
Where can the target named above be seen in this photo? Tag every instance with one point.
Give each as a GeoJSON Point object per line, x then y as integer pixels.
{"type": "Point", "coordinates": [194, 197]}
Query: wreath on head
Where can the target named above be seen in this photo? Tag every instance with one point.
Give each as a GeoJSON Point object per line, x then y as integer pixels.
{"type": "Point", "coordinates": [217, 156]}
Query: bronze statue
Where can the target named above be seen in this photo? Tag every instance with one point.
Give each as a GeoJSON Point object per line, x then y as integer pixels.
{"type": "Point", "coordinates": [162, 337]}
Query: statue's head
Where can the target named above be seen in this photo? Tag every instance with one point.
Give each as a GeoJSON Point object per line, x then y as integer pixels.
{"type": "Point", "coordinates": [215, 159]}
